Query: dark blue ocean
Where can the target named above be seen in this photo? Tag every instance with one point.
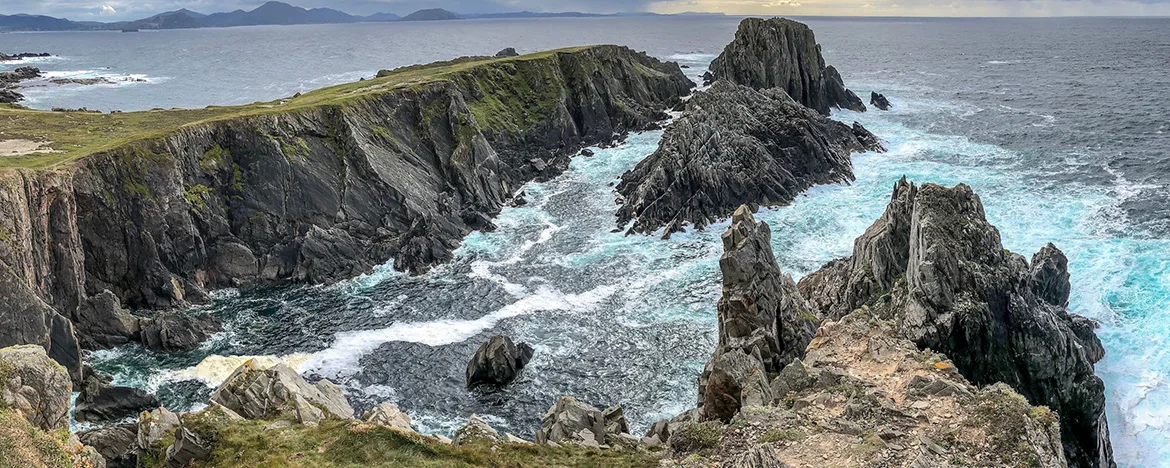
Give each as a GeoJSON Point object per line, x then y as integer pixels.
{"type": "Point", "coordinates": [1061, 125]}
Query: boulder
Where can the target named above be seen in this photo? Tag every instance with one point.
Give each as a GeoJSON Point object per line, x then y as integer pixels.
{"type": "Point", "coordinates": [118, 445]}
{"type": "Point", "coordinates": [507, 52]}
{"type": "Point", "coordinates": [387, 414]}
{"type": "Point", "coordinates": [879, 101]}
{"type": "Point", "coordinates": [256, 392]}
{"type": "Point", "coordinates": [168, 332]}
{"type": "Point", "coordinates": [572, 421]}
{"type": "Point", "coordinates": [781, 53]}
{"type": "Point", "coordinates": [35, 386]}
{"type": "Point", "coordinates": [934, 264]}
{"type": "Point", "coordinates": [154, 425]}
{"type": "Point", "coordinates": [99, 401]}
{"type": "Point", "coordinates": [497, 362]}
{"type": "Point", "coordinates": [732, 146]}
{"type": "Point", "coordinates": [476, 431]}
{"type": "Point", "coordinates": [189, 447]}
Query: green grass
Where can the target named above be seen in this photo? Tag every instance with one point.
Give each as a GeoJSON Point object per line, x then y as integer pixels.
{"type": "Point", "coordinates": [350, 444]}
{"type": "Point", "coordinates": [77, 134]}
{"type": "Point", "coordinates": [22, 445]}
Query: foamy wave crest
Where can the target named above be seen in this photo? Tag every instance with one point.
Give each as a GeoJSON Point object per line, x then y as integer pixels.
{"type": "Point", "coordinates": [341, 359]}
{"type": "Point", "coordinates": [215, 369]}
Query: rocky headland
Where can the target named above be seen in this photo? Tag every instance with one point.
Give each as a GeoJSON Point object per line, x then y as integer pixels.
{"type": "Point", "coordinates": [735, 145]}
{"type": "Point", "coordinates": [759, 135]}
{"type": "Point", "coordinates": [316, 189]}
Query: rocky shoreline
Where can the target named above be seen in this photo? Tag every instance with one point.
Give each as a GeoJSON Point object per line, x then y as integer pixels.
{"type": "Point", "coordinates": [931, 346]}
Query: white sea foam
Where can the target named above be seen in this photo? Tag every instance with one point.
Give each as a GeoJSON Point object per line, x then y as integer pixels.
{"type": "Point", "coordinates": [215, 369]}
{"type": "Point", "coordinates": [341, 359]}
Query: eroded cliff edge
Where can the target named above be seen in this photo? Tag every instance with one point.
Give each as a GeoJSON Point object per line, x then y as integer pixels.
{"type": "Point", "coordinates": [316, 189]}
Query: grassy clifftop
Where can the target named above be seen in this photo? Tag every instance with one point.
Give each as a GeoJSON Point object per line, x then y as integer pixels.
{"type": "Point", "coordinates": [72, 135]}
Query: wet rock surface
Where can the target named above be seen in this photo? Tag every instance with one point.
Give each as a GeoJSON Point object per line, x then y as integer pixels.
{"type": "Point", "coordinates": [497, 362]}
{"type": "Point", "coordinates": [879, 101]}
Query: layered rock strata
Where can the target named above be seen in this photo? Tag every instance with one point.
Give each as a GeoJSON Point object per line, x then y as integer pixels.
{"type": "Point", "coordinates": [735, 145]}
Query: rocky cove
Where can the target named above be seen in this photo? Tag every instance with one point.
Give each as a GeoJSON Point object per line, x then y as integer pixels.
{"type": "Point", "coordinates": [773, 346]}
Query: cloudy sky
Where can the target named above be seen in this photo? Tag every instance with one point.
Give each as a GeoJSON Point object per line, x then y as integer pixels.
{"type": "Point", "coordinates": [111, 10]}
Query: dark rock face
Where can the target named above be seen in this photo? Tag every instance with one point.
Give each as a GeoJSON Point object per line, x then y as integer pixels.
{"type": "Point", "coordinates": [879, 101]}
{"type": "Point", "coordinates": [311, 196]}
{"type": "Point", "coordinates": [935, 264]}
{"type": "Point", "coordinates": [497, 362]}
{"type": "Point", "coordinates": [99, 401]}
{"type": "Point", "coordinates": [508, 52]}
{"type": "Point", "coordinates": [733, 146]}
{"type": "Point", "coordinates": [102, 323]}
{"type": "Point", "coordinates": [781, 53]}
{"type": "Point", "coordinates": [763, 322]}
{"type": "Point", "coordinates": [9, 80]}
{"type": "Point", "coordinates": [168, 332]}
{"type": "Point", "coordinates": [117, 444]}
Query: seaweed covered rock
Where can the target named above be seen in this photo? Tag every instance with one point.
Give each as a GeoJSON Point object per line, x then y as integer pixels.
{"type": "Point", "coordinates": [735, 145]}
{"type": "Point", "coordinates": [781, 53]}
{"type": "Point", "coordinates": [933, 263]}
{"type": "Point", "coordinates": [257, 392]}
{"type": "Point", "coordinates": [497, 362]}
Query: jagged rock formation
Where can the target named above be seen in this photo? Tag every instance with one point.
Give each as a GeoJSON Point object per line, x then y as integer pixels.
{"type": "Point", "coordinates": [879, 101]}
{"type": "Point", "coordinates": [763, 322]}
{"type": "Point", "coordinates": [497, 362]}
{"type": "Point", "coordinates": [312, 193]}
{"type": "Point", "coordinates": [118, 445]}
{"type": "Point", "coordinates": [35, 387]}
{"type": "Point", "coordinates": [9, 81]}
{"type": "Point", "coordinates": [570, 421]}
{"type": "Point", "coordinates": [733, 146]}
{"type": "Point", "coordinates": [255, 392]}
{"type": "Point", "coordinates": [781, 53]}
{"type": "Point", "coordinates": [933, 263]}
{"type": "Point", "coordinates": [865, 396]}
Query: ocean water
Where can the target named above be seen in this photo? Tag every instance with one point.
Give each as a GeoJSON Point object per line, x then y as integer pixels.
{"type": "Point", "coordinates": [1060, 126]}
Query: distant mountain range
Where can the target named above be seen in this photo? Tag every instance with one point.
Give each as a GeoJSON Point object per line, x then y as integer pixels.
{"type": "Point", "coordinates": [271, 13]}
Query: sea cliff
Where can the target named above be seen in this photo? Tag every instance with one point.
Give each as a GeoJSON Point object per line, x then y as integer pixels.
{"type": "Point", "coordinates": [161, 207]}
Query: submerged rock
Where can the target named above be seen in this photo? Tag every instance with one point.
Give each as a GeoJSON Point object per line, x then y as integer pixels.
{"type": "Point", "coordinates": [497, 362]}
{"type": "Point", "coordinates": [879, 101]}
{"type": "Point", "coordinates": [781, 53]}
{"type": "Point", "coordinates": [734, 146]}
{"type": "Point", "coordinates": [256, 392]}
{"type": "Point", "coordinates": [35, 386]}
{"type": "Point", "coordinates": [935, 264]}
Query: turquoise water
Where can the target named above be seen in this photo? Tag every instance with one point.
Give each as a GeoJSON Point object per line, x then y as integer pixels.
{"type": "Point", "coordinates": [631, 320]}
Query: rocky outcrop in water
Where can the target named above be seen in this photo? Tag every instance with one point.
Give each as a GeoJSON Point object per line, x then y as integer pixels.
{"type": "Point", "coordinates": [497, 362]}
{"type": "Point", "coordinates": [734, 146]}
{"type": "Point", "coordinates": [507, 52]}
{"type": "Point", "coordinates": [934, 264]}
{"type": "Point", "coordinates": [22, 56]}
{"type": "Point", "coordinates": [9, 81]}
{"type": "Point", "coordinates": [100, 402]}
{"type": "Point", "coordinates": [879, 101]}
{"type": "Point", "coordinates": [781, 53]}
{"type": "Point", "coordinates": [310, 194]}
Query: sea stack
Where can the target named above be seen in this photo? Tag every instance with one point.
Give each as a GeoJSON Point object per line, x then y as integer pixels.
{"type": "Point", "coordinates": [781, 53]}
{"type": "Point", "coordinates": [498, 362]}
{"type": "Point", "coordinates": [879, 101]}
